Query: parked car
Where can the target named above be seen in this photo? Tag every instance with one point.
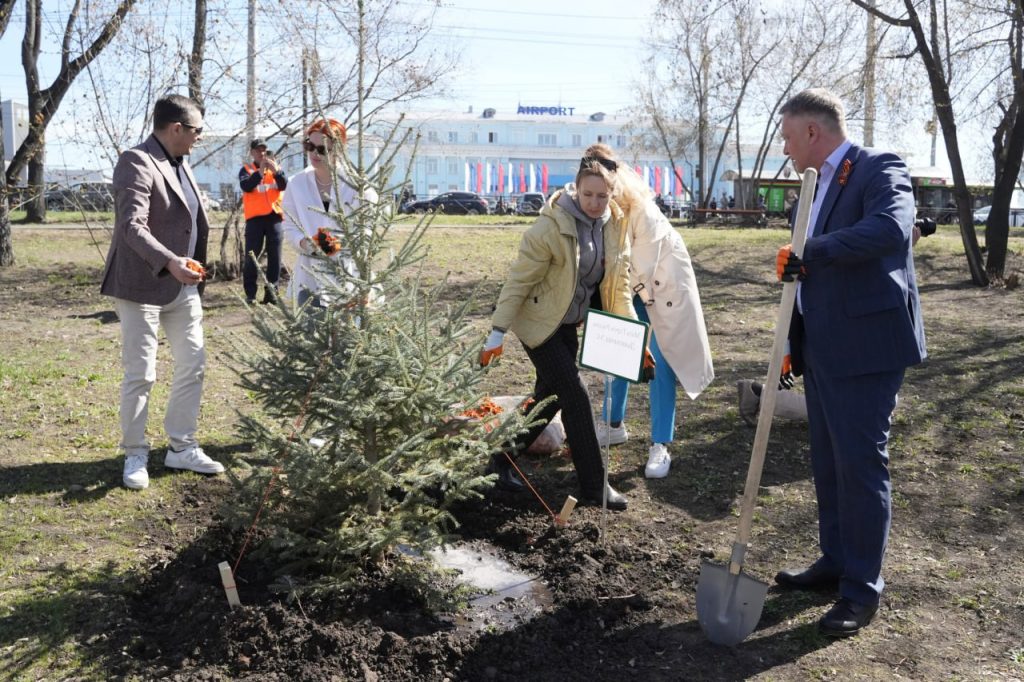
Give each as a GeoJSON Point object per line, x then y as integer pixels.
{"type": "Point", "coordinates": [209, 203]}
{"type": "Point", "coordinates": [981, 215]}
{"type": "Point", "coordinates": [84, 196]}
{"type": "Point", "coordinates": [529, 203]}
{"type": "Point", "coordinates": [452, 203]}
{"type": "Point", "coordinates": [1016, 216]}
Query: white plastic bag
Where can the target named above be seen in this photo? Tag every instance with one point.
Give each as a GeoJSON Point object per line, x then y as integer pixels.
{"type": "Point", "coordinates": [551, 438]}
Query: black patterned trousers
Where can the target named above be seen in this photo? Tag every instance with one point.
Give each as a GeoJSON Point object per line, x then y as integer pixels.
{"type": "Point", "coordinates": [558, 375]}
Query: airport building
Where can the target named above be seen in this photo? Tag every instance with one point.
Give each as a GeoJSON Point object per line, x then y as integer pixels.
{"type": "Point", "coordinates": [493, 152]}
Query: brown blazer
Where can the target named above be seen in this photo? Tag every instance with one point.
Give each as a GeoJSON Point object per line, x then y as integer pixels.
{"type": "Point", "coordinates": [152, 224]}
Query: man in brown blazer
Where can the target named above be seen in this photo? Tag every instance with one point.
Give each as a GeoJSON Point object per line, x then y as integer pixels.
{"type": "Point", "coordinates": [159, 243]}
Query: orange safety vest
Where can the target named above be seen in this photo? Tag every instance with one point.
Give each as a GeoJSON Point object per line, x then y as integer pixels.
{"type": "Point", "coordinates": [263, 200]}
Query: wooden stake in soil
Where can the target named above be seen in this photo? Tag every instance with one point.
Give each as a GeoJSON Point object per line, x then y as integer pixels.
{"type": "Point", "coordinates": [228, 579]}
{"type": "Point", "coordinates": [563, 516]}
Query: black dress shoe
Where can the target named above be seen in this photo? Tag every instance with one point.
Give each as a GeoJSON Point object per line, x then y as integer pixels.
{"type": "Point", "coordinates": [507, 479]}
{"type": "Point", "coordinates": [846, 618]}
{"type": "Point", "coordinates": [813, 578]}
{"type": "Point", "coordinates": [269, 296]}
{"type": "Point", "coordinates": [616, 500]}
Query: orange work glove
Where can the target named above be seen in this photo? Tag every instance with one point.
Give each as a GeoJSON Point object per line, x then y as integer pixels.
{"type": "Point", "coordinates": [196, 267]}
{"type": "Point", "coordinates": [786, 378]}
{"type": "Point", "coordinates": [493, 347]}
{"type": "Point", "coordinates": [327, 242]}
{"type": "Point", "coordinates": [788, 265]}
{"type": "Point", "coordinates": [649, 364]}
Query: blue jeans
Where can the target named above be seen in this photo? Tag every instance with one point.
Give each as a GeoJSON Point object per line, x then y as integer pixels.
{"type": "Point", "coordinates": [661, 391]}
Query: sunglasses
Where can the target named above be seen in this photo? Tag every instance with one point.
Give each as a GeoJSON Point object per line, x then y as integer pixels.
{"type": "Point", "coordinates": [318, 148]}
{"type": "Point", "coordinates": [607, 163]}
{"type": "Point", "coordinates": [197, 129]}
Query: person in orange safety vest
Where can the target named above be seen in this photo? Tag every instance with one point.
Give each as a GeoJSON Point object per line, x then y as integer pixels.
{"type": "Point", "coordinates": [262, 183]}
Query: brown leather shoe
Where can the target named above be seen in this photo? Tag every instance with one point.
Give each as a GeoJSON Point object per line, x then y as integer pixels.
{"type": "Point", "coordinates": [813, 578]}
{"type": "Point", "coordinates": [846, 618]}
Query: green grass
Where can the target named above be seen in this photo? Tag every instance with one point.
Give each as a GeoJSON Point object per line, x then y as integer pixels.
{"type": "Point", "coordinates": [73, 542]}
{"type": "Point", "coordinates": [468, 220]}
{"type": "Point", "coordinates": [63, 217]}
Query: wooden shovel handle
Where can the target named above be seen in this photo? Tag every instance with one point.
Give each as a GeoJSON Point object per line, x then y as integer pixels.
{"type": "Point", "coordinates": [770, 389]}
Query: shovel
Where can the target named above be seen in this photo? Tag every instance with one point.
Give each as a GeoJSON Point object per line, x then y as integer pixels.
{"type": "Point", "coordinates": [729, 602]}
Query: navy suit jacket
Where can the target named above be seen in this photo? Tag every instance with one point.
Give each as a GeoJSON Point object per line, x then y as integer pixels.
{"type": "Point", "coordinates": [861, 308]}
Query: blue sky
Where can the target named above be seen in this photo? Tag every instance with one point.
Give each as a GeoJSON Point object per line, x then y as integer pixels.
{"type": "Point", "coordinates": [534, 52]}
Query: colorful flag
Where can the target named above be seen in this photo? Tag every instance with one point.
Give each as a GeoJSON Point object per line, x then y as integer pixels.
{"type": "Point", "coordinates": [479, 177]}
{"type": "Point", "coordinates": [544, 178]}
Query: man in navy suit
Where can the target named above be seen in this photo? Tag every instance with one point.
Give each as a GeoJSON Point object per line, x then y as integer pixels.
{"type": "Point", "coordinates": [856, 329]}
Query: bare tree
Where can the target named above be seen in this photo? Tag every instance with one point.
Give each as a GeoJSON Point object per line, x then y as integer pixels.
{"type": "Point", "coordinates": [1007, 141]}
{"type": "Point", "coordinates": [729, 66]}
{"type": "Point", "coordinates": [122, 84]}
{"type": "Point", "coordinates": [935, 44]}
{"type": "Point", "coordinates": [6, 247]}
{"type": "Point", "coordinates": [44, 102]}
{"type": "Point", "coordinates": [195, 58]}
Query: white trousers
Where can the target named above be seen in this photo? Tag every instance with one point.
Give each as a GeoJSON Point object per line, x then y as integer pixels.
{"type": "Point", "coordinates": [182, 320]}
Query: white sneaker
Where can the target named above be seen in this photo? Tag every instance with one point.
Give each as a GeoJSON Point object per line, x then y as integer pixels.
{"type": "Point", "coordinates": [194, 459]}
{"type": "Point", "coordinates": [658, 461]}
{"type": "Point", "coordinates": [616, 435]}
{"type": "Point", "coordinates": [135, 475]}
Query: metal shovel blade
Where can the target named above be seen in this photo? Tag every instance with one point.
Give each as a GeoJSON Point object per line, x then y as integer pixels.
{"type": "Point", "coordinates": [728, 605]}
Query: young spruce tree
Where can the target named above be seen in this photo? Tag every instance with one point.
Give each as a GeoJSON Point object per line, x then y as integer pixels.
{"type": "Point", "coordinates": [360, 403]}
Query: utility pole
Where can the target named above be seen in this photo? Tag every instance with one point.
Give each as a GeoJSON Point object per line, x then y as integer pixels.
{"type": "Point", "coordinates": [305, 101]}
{"type": "Point", "coordinates": [932, 127]}
{"type": "Point", "coordinates": [869, 80]}
{"type": "Point", "coordinates": [250, 88]}
{"type": "Point", "coordinates": [360, 85]}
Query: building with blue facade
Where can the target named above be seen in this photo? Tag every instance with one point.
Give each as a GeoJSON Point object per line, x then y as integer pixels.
{"type": "Point", "coordinates": [524, 149]}
{"type": "Point", "coordinates": [494, 152]}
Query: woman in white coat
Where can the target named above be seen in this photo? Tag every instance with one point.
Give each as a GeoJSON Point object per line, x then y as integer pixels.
{"type": "Point", "coordinates": [662, 278]}
{"type": "Point", "coordinates": [313, 194]}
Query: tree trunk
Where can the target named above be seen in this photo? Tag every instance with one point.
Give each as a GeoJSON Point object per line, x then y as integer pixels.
{"type": "Point", "coordinates": [1007, 151]}
{"type": "Point", "coordinates": [968, 236]}
{"type": "Point", "coordinates": [6, 246]}
{"type": "Point", "coordinates": [44, 102]}
{"type": "Point", "coordinates": [35, 207]}
{"type": "Point", "coordinates": [195, 59]}
{"type": "Point", "coordinates": [944, 110]}
{"type": "Point", "coordinates": [1008, 163]}
{"type": "Point", "coordinates": [931, 55]}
